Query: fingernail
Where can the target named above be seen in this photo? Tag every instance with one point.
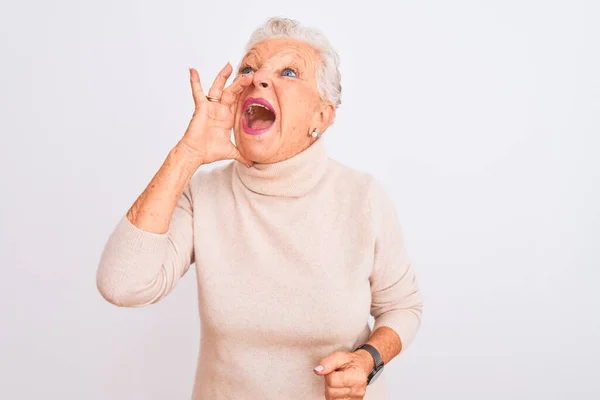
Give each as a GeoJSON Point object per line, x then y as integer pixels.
{"type": "Point", "coordinates": [319, 368]}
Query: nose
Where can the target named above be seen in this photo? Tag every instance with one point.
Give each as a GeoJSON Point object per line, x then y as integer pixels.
{"type": "Point", "coordinates": [261, 79]}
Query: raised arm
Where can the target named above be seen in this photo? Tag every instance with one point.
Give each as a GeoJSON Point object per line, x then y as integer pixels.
{"type": "Point", "coordinates": [152, 245]}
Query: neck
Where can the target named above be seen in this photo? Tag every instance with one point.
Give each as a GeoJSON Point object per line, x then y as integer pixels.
{"type": "Point", "coordinates": [293, 177]}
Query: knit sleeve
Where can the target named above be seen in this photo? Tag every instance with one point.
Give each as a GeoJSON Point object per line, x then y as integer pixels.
{"type": "Point", "coordinates": [396, 302]}
{"type": "Point", "coordinates": [138, 267]}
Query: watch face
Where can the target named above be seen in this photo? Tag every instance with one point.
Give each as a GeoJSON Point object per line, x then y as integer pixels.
{"type": "Point", "coordinates": [377, 373]}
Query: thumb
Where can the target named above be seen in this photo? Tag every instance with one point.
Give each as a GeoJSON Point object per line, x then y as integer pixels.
{"type": "Point", "coordinates": [332, 362]}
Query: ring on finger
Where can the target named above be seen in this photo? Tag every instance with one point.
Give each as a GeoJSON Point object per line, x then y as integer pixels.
{"type": "Point", "coordinates": [212, 98]}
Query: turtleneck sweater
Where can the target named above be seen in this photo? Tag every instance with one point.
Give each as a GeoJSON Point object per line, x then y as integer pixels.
{"type": "Point", "coordinates": [291, 258]}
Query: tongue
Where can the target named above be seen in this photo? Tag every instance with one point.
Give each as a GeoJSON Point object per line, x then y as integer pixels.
{"type": "Point", "coordinates": [259, 123]}
{"type": "Point", "coordinates": [261, 119]}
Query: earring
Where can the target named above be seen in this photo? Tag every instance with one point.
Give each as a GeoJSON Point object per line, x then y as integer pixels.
{"type": "Point", "coordinates": [315, 133]}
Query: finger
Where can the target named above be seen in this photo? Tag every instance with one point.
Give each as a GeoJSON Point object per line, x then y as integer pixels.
{"type": "Point", "coordinates": [332, 362]}
{"type": "Point", "coordinates": [337, 393]}
{"type": "Point", "coordinates": [336, 379]}
{"type": "Point", "coordinates": [216, 90]}
{"type": "Point", "coordinates": [232, 93]}
{"type": "Point", "coordinates": [197, 91]}
{"type": "Point", "coordinates": [351, 377]}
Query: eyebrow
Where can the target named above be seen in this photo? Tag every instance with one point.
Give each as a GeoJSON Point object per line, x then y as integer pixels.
{"type": "Point", "coordinates": [247, 60]}
{"type": "Point", "coordinates": [250, 54]}
{"type": "Point", "coordinates": [297, 62]}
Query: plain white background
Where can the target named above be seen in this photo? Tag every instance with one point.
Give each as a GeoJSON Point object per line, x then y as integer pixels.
{"type": "Point", "coordinates": [480, 118]}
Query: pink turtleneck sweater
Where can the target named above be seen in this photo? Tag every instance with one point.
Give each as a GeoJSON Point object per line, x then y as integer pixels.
{"type": "Point", "coordinates": [290, 258]}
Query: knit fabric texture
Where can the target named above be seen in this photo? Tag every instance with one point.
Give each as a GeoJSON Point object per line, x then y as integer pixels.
{"type": "Point", "coordinates": [291, 258]}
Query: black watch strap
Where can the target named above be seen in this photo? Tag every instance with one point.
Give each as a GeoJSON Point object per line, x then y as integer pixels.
{"type": "Point", "coordinates": [376, 358]}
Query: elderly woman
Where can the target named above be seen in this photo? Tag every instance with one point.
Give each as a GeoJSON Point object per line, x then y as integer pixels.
{"type": "Point", "coordinates": [293, 250]}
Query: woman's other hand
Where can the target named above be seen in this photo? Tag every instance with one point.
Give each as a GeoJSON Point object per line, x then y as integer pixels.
{"type": "Point", "coordinates": [345, 374]}
{"type": "Point", "coordinates": [209, 132]}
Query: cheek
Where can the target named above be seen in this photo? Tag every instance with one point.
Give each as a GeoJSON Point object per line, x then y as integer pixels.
{"type": "Point", "coordinates": [297, 105]}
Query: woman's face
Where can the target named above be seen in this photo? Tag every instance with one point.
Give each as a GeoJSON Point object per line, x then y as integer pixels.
{"type": "Point", "coordinates": [276, 113]}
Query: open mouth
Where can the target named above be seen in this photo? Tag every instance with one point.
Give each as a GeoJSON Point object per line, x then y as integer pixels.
{"type": "Point", "coordinates": [258, 116]}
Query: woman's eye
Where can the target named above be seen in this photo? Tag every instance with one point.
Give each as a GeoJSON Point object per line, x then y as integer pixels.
{"type": "Point", "coordinates": [246, 70]}
{"type": "Point", "coordinates": [289, 72]}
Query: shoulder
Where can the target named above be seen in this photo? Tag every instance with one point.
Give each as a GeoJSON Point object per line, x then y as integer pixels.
{"type": "Point", "coordinates": [352, 181]}
{"type": "Point", "coordinates": [363, 190]}
{"type": "Point", "coordinates": [347, 178]}
{"type": "Point", "coordinates": [209, 179]}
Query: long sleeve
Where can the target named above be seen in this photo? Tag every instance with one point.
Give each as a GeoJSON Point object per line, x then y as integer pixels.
{"type": "Point", "coordinates": [396, 301]}
{"type": "Point", "coordinates": [139, 267]}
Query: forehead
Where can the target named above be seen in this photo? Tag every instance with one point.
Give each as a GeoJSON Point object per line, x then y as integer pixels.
{"type": "Point", "coordinates": [284, 48]}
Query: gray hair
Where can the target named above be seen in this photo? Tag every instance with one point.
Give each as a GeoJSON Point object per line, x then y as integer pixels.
{"type": "Point", "coordinates": [327, 74]}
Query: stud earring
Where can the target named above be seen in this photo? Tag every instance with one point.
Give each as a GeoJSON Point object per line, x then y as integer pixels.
{"type": "Point", "coordinates": [315, 133]}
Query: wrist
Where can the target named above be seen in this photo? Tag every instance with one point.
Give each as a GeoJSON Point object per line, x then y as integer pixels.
{"type": "Point", "coordinates": [188, 154]}
{"type": "Point", "coordinates": [366, 360]}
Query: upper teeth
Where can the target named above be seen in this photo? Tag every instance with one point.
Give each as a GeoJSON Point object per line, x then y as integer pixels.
{"type": "Point", "coordinates": [250, 108]}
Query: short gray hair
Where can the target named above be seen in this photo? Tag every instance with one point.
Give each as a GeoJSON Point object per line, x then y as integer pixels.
{"type": "Point", "coordinates": [327, 74]}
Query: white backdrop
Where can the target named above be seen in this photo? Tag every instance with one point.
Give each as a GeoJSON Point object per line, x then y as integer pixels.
{"type": "Point", "coordinates": [480, 118]}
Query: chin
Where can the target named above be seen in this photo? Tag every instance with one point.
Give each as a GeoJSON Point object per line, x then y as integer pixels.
{"type": "Point", "coordinates": [258, 148]}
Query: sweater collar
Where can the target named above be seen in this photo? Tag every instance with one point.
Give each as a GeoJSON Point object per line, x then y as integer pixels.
{"type": "Point", "coordinates": [293, 177]}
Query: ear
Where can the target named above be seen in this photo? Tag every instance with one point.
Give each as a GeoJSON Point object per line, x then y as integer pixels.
{"type": "Point", "coordinates": [326, 116]}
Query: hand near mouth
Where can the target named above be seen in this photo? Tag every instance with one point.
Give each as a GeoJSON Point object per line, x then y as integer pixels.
{"type": "Point", "coordinates": [209, 132]}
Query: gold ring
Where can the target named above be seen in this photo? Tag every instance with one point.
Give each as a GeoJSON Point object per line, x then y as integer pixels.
{"type": "Point", "coordinates": [211, 98]}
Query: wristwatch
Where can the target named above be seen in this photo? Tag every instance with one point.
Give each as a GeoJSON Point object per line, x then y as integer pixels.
{"type": "Point", "coordinates": [378, 369]}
